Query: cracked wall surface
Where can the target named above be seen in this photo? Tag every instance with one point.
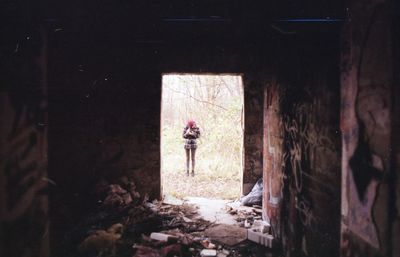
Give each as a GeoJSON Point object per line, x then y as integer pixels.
{"type": "Point", "coordinates": [366, 124]}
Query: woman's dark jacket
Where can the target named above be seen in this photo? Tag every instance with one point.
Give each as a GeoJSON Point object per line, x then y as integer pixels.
{"type": "Point", "coordinates": [190, 139]}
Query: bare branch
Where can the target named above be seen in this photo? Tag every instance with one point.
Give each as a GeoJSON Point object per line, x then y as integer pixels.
{"type": "Point", "coordinates": [198, 100]}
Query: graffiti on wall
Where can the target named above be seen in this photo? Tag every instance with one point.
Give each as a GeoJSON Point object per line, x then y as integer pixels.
{"type": "Point", "coordinates": [365, 123]}
{"type": "Point", "coordinates": [304, 138]}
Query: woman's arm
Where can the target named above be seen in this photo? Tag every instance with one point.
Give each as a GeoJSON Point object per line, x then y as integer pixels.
{"type": "Point", "coordinates": [196, 133]}
{"type": "Point", "coordinates": [185, 132]}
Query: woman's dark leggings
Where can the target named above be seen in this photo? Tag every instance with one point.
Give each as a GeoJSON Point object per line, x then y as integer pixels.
{"type": "Point", "coordinates": [190, 153]}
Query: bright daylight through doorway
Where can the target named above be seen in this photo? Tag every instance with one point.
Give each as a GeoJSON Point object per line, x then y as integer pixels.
{"type": "Point", "coordinates": [215, 103]}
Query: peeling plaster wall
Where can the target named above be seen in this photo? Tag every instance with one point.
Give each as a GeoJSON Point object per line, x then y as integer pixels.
{"type": "Point", "coordinates": [367, 106]}
{"type": "Point", "coordinates": [273, 162]}
{"type": "Point", "coordinates": [302, 150]}
{"type": "Point", "coordinates": [23, 143]}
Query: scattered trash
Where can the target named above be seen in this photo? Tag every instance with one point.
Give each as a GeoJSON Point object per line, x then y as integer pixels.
{"type": "Point", "coordinates": [255, 196]}
{"type": "Point", "coordinates": [244, 213]}
{"type": "Point", "coordinates": [127, 225]}
{"type": "Point", "coordinates": [102, 241]}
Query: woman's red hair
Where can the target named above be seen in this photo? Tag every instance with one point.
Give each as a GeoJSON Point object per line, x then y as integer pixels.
{"type": "Point", "coordinates": [191, 123]}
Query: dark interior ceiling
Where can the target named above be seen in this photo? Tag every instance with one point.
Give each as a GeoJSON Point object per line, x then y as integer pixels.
{"type": "Point", "coordinates": [193, 21]}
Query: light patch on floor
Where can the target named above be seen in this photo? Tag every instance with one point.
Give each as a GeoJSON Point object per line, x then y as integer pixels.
{"type": "Point", "coordinates": [213, 210]}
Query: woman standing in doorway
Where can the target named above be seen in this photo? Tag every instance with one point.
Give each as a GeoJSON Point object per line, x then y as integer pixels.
{"type": "Point", "coordinates": [190, 133]}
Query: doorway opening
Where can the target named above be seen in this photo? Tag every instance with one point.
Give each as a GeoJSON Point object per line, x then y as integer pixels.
{"type": "Point", "coordinates": [215, 103]}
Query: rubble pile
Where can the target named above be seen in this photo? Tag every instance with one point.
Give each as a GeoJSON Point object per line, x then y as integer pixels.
{"type": "Point", "coordinates": [244, 214]}
{"type": "Point", "coordinates": [128, 225]}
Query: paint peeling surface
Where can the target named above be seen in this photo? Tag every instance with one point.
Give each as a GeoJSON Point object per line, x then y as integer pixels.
{"type": "Point", "coordinates": [273, 157]}
{"type": "Point", "coordinates": [365, 125]}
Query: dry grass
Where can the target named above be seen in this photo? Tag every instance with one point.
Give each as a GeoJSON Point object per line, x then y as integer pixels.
{"type": "Point", "coordinates": [176, 183]}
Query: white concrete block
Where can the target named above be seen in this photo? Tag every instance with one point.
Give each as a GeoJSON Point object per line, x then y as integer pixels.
{"type": "Point", "coordinates": [262, 226]}
{"type": "Point", "coordinates": [162, 237]}
{"type": "Point", "coordinates": [261, 238]}
{"type": "Point", "coordinates": [208, 252]}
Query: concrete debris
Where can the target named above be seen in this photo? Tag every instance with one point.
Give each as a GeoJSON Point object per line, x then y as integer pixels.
{"type": "Point", "coordinates": [261, 226]}
{"type": "Point", "coordinates": [207, 244]}
{"type": "Point", "coordinates": [243, 213]}
{"type": "Point", "coordinates": [208, 252]}
{"type": "Point", "coordinates": [120, 194]}
{"type": "Point", "coordinates": [163, 237]}
{"type": "Point", "coordinates": [259, 233]}
{"type": "Point", "coordinates": [261, 238]}
{"type": "Point", "coordinates": [226, 252]}
{"type": "Point", "coordinates": [127, 226]}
